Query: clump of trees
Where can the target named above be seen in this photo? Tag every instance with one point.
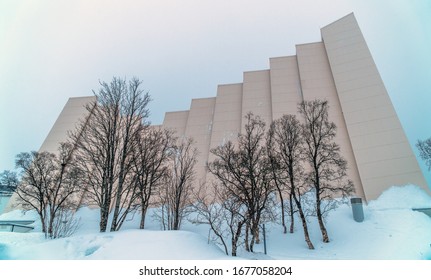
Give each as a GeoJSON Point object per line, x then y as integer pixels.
{"type": "Point", "coordinates": [224, 214]}
{"type": "Point", "coordinates": [243, 183]}
{"type": "Point", "coordinates": [126, 162]}
{"type": "Point", "coordinates": [286, 148]}
{"type": "Point", "coordinates": [328, 169]}
{"type": "Point", "coordinates": [151, 157]}
{"type": "Point", "coordinates": [424, 147]}
{"type": "Point", "coordinates": [120, 164]}
{"type": "Point", "coordinates": [8, 181]}
{"type": "Point", "coordinates": [105, 143]}
{"type": "Point", "coordinates": [49, 185]}
{"type": "Point", "coordinates": [113, 160]}
{"type": "Point", "coordinates": [289, 159]}
{"type": "Point", "coordinates": [176, 189]}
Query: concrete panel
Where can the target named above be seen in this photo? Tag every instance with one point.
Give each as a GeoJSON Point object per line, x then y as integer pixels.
{"type": "Point", "coordinates": [382, 153]}
{"type": "Point", "coordinates": [317, 83]}
{"type": "Point", "coordinates": [401, 165]}
{"type": "Point", "coordinates": [378, 139]}
{"type": "Point", "coordinates": [370, 117]}
{"type": "Point", "coordinates": [72, 113]}
{"type": "Point", "coordinates": [227, 118]}
{"type": "Point", "coordinates": [373, 126]}
{"type": "Point", "coordinates": [285, 86]}
{"type": "Point", "coordinates": [407, 178]}
{"type": "Point", "coordinates": [370, 114]}
{"type": "Point", "coordinates": [227, 114]}
{"type": "Point", "coordinates": [256, 95]}
{"type": "Point", "coordinates": [176, 121]}
{"type": "Point", "coordinates": [199, 127]}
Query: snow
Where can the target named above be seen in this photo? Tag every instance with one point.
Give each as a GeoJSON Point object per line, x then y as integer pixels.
{"type": "Point", "coordinates": [391, 230]}
{"type": "Point", "coordinates": [3, 202]}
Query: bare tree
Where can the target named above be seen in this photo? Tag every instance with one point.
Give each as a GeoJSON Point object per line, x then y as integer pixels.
{"type": "Point", "coordinates": [65, 223]}
{"type": "Point", "coordinates": [279, 179]}
{"type": "Point", "coordinates": [424, 148]}
{"type": "Point", "coordinates": [328, 168]}
{"type": "Point", "coordinates": [48, 184]}
{"type": "Point", "coordinates": [287, 148]}
{"type": "Point", "coordinates": [134, 114]}
{"type": "Point", "coordinates": [105, 144]}
{"type": "Point", "coordinates": [97, 142]}
{"type": "Point", "coordinates": [225, 215]}
{"type": "Point", "coordinates": [209, 212]}
{"type": "Point", "coordinates": [235, 216]}
{"type": "Point", "coordinates": [8, 181]}
{"type": "Point", "coordinates": [175, 192]}
{"type": "Point", "coordinates": [244, 171]}
{"type": "Point", "coordinates": [152, 154]}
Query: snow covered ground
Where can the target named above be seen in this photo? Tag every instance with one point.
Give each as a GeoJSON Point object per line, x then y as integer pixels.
{"type": "Point", "coordinates": [391, 230]}
{"type": "Point", "coordinates": [3, 202]}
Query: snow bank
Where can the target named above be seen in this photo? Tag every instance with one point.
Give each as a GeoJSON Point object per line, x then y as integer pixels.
{"type": "Point", "coordinates": [402, 197]}
{"type": "Point", "coordinates": [391, 230]}
{"type": "Point", "coordinates": [126, 245]}
{"type": "Point", "coordinates": [158, 245]}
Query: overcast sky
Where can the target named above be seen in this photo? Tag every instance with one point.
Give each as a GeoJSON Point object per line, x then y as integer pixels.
{"type": "Point", "coordinates": [53, 50]}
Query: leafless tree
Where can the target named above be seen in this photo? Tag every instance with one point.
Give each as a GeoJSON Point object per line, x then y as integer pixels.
{"type": "Point", "coordinates": [209, 212]}
{"type": "Point", "coordinates": [287, 149]}
{"type": "Point", "coordinates": [225, 215]}
{"type": "Point", "coordinates": [105, 143]}
{"type": "Point", "coordinates": [279, 179]}
{"type": "Point", "coordinates": [151, 164]}
{"type": "Point", "coordinates": [424, 148]}
{"type": "Point", "coordinates": [328, 168]}
{"type": "Point", "coordinates": [175, 192]}
{"type": "Point", "coordinates": [48, 184]}
{"type": "Point", "coordinates": [134, 114]}
{"type": "Point", "coordinates": [235, 216]}
{"type": "Point", "coordinates": [65, 223]}
{"type": "Point", "coordinates": [97, 143]}
{"type": "Point", "coordinates": [8, 181]}
{"type": "Point", "coordinates": [244, 171]}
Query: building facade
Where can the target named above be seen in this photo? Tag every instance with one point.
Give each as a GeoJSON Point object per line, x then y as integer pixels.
{"type": "Point", "coordinates": [339, 69]}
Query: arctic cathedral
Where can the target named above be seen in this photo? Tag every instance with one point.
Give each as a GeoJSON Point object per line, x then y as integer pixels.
{"type": "Point", "coordinates": [339, 69]}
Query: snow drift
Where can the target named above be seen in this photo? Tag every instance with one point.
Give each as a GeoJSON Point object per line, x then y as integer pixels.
{"type": "Point", "coordinates": [391, 230]}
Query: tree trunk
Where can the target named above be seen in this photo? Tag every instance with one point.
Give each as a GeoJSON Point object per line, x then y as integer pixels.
{"type": "Point", "coordinates": [235, 237]}
{"type": "Point", "coordinates": [256, 233]}
{"type": "Point", "coordinates": [43, 223]}
{"type": "Point", "coordinates": [104, 214]}
{"type": "Point", "coordinates": [233, 249]}
{"type": "Point", "coordinates": [283, 222]}
{"type": "Point", "coordinates": [143, 213]}
{"type": "Point", "coordinates": [252, 243]}
{"type": "Point", "coordinates": [305, 228]}
{"type": "Point", "coordinates": [176, 220]}
{"type": "Point", "coordinates": [51, 224]}
{"type": "Point", "coordinates": [114, 224]}
{"type": "Point", "coordinates": [321, 224]}
{"type": "Point", "coordinates": [292, 217]}
{"type": "Point", "coordinates": [304, 221]}
{"type": "Point", "coordinates": [246, 244]}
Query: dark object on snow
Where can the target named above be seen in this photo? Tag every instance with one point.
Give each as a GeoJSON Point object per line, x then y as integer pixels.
{"type": "Point", "coordinates": [426, 211]}
{"type": "Point", "coordinates": [358, 211]}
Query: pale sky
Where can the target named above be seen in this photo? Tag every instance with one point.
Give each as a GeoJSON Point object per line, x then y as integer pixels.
{"type": "Point", "coordinates": [53, 50]}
